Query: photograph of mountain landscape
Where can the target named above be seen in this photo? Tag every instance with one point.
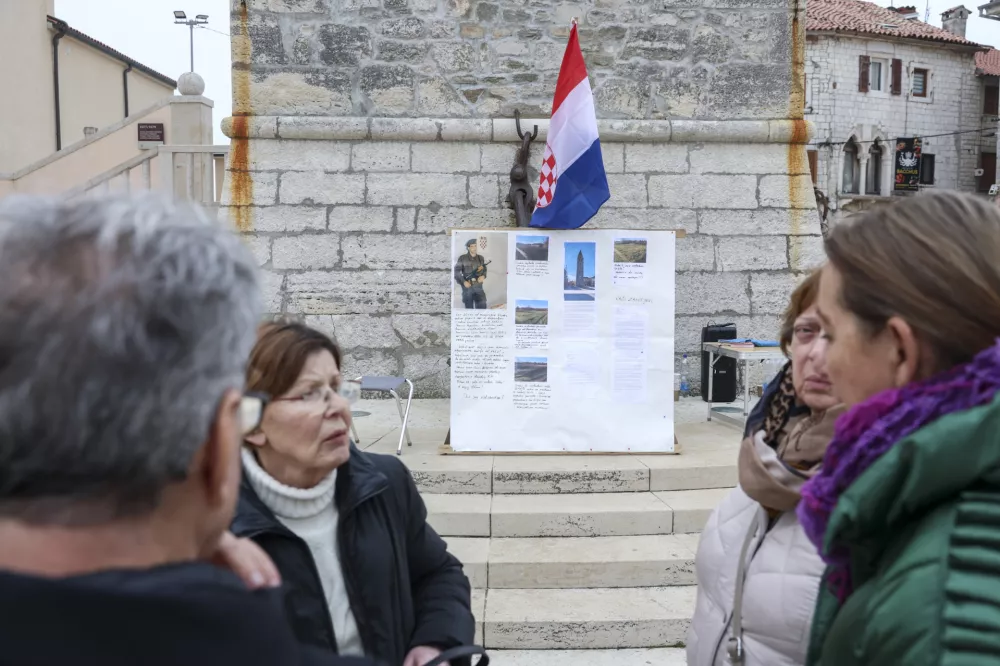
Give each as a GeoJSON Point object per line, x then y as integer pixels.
{"type": "Point", "coordinates": [531, 369]}
{"type": "Point", "coordinates": [532, 248]}
{"type": "Point", "coordinates": [531, 312]}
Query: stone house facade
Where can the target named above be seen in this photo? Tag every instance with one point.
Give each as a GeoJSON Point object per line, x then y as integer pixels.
{"type": "Point", "coordinates": [364, 130]}
{"type": "Point", "coordinates": [988, 71]}
{"type": "Point", "coordinates": [875, 74]}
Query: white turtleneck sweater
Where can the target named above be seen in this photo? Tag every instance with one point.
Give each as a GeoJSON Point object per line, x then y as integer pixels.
{"type": "Point", "coordinates": [311, 515]}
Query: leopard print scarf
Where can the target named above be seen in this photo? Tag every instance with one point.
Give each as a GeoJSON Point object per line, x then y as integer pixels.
{"type": "Point", "coordinates": [780, 408]}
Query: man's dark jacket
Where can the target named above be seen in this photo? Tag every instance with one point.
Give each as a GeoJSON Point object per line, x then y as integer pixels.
{"type": "Point", "coordinates": [190, 614]}
{"type": "Point", "coordinates": [468, 264]}
{"type": "Point", "coordinates": [404, 587]}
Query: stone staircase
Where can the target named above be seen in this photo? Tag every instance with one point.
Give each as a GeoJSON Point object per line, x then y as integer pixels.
{"type": "Point", "coordinates": [577, 560]}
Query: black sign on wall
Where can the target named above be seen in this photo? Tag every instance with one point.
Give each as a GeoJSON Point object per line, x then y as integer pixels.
{"type": "Point", "coordinates": [908, 164]}
{"type": "Point", "coordinates": [151, 132]}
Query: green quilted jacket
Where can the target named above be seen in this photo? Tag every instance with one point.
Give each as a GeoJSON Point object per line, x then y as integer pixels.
{"type": "Point", "coordinates": [923, 528]}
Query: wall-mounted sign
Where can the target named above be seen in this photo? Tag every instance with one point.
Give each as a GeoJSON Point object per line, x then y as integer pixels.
{"type": "Point", "coordinates": [151, 132]}
{"type": "Point", "coordinates": [908, 164]}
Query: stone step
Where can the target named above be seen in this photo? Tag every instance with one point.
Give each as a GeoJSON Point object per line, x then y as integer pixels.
{"type": "Point", "coordinates": [592, 562]}
{"type": "Point", "coordinates": [459, 515]}
{"type": "Point", "coordinates": [642, 657]}
{"type": "Point", "coordinates": [587, 619]}
{"type": "Point", "coordinates": [595, 514]}
{"type": "Point", "coordinates": [473, 554]}
{"type": "Point", "coordinates": [586, 562]}
{"type": "Point", "coordinates": [572, 515]}
{"type": "Point", "coordinates": [692, 507]}
{"type": "Point", "coordinates": [549, 475]}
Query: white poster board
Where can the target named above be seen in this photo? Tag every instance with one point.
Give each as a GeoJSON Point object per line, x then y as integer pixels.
{"type": "Point", "coordinates": [562, 340]}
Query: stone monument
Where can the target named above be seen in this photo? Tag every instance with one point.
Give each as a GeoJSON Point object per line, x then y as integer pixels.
{"type": "Point", "coordinates": [363, 129]}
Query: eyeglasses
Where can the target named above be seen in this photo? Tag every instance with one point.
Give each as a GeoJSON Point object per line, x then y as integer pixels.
{"type": "Point", "coordinates": [252, 411]}
{"type": "Point", "coordinates": [349, 390]}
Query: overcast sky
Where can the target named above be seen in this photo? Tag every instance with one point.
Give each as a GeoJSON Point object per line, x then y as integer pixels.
{"type": "Point", "coordinates": [144, 30]}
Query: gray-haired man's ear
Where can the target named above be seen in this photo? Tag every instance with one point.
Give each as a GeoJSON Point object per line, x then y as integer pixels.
{"type": "Point", "coordinates": [216, 468]}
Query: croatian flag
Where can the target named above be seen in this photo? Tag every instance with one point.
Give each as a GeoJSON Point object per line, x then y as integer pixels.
{"type": "Point", "coordinates": [573, 184]}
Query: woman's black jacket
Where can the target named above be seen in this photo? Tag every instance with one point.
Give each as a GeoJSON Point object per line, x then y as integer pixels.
{"type": "Point", "coordinates": [405, 588]}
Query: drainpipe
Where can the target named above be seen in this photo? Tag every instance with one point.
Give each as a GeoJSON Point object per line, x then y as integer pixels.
{"type": "Point", "coordinates": [125, 87]}
{"type": "Point", "coordinates": [61, 32]}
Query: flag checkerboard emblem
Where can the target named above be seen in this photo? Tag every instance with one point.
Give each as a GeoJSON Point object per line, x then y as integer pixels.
{"type": "Point", "coordinates": [482, 242]}
{"type": "Point", "coordinates": [547, 180]}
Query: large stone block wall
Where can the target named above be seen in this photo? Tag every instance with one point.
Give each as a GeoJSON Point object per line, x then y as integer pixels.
{"type": "Point", "coordinates": [346, 192]}
{"type": "Point", "coordinates": [472, 58]}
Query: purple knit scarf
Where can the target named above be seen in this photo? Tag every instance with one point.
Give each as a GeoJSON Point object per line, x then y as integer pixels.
{"type": "Point", "coordinates": [871, 428]}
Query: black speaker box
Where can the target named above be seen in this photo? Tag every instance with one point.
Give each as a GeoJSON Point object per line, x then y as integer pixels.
{"type": "Point", "coordinates": [724, 379]}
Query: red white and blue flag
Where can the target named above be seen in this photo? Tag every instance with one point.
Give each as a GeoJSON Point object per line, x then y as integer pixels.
{"type": "Point", "coordinates": [573, 185]}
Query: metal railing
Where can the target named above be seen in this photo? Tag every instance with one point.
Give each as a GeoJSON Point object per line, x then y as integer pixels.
{"type": "Point", "coordinates": [189, 172]}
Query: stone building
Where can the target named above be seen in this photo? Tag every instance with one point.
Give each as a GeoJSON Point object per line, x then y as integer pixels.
{"type": "Point", "coordinates": [876, 74]}
{"type": "Point", "coordinates": [988, 71]}
{"type": "Point", "coordinates": [364, 129]}
{"type": "Point", "coordinates": [68, 85]}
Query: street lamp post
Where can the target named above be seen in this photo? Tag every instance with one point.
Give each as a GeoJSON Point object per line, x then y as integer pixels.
{"type": "Point", "coordinates": [180, 18]}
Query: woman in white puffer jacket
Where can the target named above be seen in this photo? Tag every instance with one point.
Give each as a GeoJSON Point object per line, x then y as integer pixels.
{"type": "Point", "coordinates": [758, 574]}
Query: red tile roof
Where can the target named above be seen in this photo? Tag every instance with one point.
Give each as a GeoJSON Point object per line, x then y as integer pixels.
{"type": "Point", "coordinates": [988, 62]}
{"type": "Point", "coordinates": [869, 18]}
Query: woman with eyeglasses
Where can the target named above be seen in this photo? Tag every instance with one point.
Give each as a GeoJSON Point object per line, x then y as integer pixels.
{"type": "Point", "coordinates": [364, 572]}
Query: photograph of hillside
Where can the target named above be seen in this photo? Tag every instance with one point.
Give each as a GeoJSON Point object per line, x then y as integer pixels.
{"type": "Point", "coordinates": [531, 312]}
{"type": "Point", "coordinates": [531, 369]}
{"type": "Point", "coordinates": [630, 251]}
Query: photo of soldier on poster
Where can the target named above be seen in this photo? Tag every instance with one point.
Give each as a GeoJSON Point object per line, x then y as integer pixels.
{"type": "Point", "coordinates": [480, 271]}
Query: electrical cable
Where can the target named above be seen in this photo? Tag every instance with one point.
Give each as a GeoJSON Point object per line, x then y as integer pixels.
{"type": "Point", "coordinates": [831, 144]}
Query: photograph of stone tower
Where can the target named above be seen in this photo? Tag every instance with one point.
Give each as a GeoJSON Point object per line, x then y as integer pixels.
{"type": "Point", "coordinates": [364, 129]}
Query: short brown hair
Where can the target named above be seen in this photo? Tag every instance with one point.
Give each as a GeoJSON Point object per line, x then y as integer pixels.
{"type": "Point", "coordinates": [932, 260]}
{"type": "Point", "coordinates": [802, 299]}
{"type": "Point", "coordinates": [281, 352]}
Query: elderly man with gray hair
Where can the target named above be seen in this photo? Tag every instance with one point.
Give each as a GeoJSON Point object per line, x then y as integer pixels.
{"type": "Point", "coordinates": [125, 325]}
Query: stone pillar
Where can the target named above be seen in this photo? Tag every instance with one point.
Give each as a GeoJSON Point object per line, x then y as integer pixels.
{"type": "Point", "coordinates": [364, 129]}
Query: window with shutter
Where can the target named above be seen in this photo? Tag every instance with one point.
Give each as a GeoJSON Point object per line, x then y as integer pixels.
{"type": "Point", "coordinates": [926, 169]}
{"type": "Point", "coordinates": [897, 76]}
{"type": "Point", "coordinates": [920, 81]}
{"type": "Point", "coordinates": [991, 101]}
{"type": "Point", "coordinates": [864, 72]}
{"type": "Point", "coordinates": [875, 78]}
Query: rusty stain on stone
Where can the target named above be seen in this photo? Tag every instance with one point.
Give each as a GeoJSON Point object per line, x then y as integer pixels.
{"type": "Point", "coordinates": [797, 160]}
{"type": "Point", "coordinates": [240, 181]}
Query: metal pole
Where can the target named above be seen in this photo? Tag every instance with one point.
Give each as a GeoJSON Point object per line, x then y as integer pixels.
{"type": "Point", "coordinates": [191, 26]}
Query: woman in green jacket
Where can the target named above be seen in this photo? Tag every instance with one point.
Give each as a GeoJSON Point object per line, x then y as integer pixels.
{"type": "Point", "coordinates": [906, 510]}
